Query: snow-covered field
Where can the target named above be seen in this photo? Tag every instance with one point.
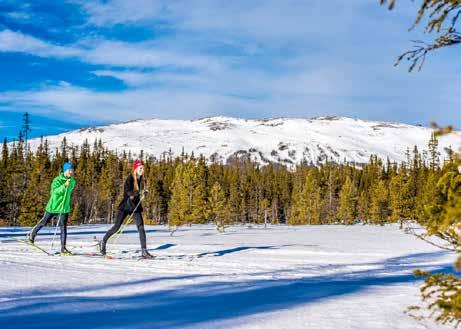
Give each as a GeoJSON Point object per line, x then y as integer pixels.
{"type": "Point", "coordinates": [280, 277]}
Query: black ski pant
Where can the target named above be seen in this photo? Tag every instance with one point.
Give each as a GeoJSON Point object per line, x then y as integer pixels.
{"type": "Point", "coordinates": [121, 215]}
{"type": "Point", "coordinates": [62, 218]}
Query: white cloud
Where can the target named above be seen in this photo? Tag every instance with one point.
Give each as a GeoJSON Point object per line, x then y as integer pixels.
{"type": "Point", "coordinates": [121, 11]}
{"type": "Point", "coordinates": [244, 58]}
{"type": "Point", "coordinates": [125, 105]}
{"type": "Point", "coordinates": [18, 42]}
{"type": "Point", "coordinates": [103, 52]}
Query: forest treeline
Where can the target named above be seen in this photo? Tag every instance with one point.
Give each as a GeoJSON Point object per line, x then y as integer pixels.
{"type": "Point", "coordinates": [188, 190]}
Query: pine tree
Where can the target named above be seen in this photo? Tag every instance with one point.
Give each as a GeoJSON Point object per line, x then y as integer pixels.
{"type": "Point", "coordinates": [235, 195]}
{"type": "Point", "coordinates": [398, 198]}
{"type": "Point", "coordinates": [330, 200]}
{"type": "Point", "coordinates": [178, 208]}
{"type": "Point", "coordinates": [199, 176]}
{"type": "Point", "coordinates": [108, 184]}
{"type": "Point", "coordinates": [219, 208]}
{"type": "Point", "coordinates": [430, 200]}
{"type": "Point", "coordinates": [363, 207]}
{"type": "Point", "coordinates": [4, 180]}
{"type": "Point", "coordinates": [434, 154]}
{"type": "Point", "coordinates": [306, 202]}
{"type": "Point", "coordinates": [347, 202]}
{"type": "Point", "coordinates": [265, 204]}
{"type": "Point", "coordinates": [379, 207]}
{"type": "Point", "coordinates": [17, 172]}
{"type": "Point", "coordinates": [37, 189]}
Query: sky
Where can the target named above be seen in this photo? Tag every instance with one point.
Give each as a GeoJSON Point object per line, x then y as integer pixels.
{"type": "Point", "coordinates": [78, 63]}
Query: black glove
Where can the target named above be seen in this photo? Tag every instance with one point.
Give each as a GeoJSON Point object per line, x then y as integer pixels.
{"type": "Point", "coordinates": [134, 194]}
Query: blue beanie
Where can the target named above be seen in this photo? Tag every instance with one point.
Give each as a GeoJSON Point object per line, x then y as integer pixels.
{"type": "Point", "coordinates": [66, 166]}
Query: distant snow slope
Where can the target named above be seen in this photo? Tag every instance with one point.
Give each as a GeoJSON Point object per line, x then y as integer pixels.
{"type": "Point", "coordinates": [283, 140]}
{"type": "Point", "coordinates": [282, 277]}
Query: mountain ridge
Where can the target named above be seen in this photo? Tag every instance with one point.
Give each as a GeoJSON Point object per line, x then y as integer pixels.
{"type": "Point", "coordinates": [287, 141]}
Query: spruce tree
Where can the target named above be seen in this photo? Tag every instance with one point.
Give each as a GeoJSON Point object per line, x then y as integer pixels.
{"type": "Point", "coordinates": [434, 154]}
{"type": "Point", "coordinates": [199, 176]}
{"type": "Point", "coordinates": [179, 205]}
{"type": "Point", "coordinates": [398, 198]}
{"type": "Point", "coordinates": [347, 202]}
{"type": "Point", "coordinates": [219, 208]}
{"type": "Point", "coordinates": [306, 203]}
{"type": "Point", "coordinates": [363, 207]}
{"type": "Point", "coordinates": [379, 207]}
{"type": "Point", "coordinates": [4, 180]}
{"type": "Point", "coordinates": [36, 191]}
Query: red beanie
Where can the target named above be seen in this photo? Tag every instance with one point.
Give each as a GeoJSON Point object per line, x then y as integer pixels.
{"type": "Point", "coordinates": [137, 163]}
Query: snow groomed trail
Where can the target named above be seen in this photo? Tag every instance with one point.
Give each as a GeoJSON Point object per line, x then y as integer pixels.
{"type": "Point", "coordinates": [248, 277]}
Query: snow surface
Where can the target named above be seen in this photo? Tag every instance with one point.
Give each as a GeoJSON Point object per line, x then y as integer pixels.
{"type": "Point", "coordinates": [282, 140]}
{"type": "Point", "coordinates": [249, 277]}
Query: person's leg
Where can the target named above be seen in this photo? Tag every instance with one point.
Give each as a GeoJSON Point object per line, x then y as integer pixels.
{"type": "Point", "coordinates": [63, 225]}
{"type": "Point", "coordinates": [142, 234]}
{"type": "Point", "coordinates": [45, 219]}
{"type": "Point", "coordinates": [140, 224]}
{"type": "Point", "coordinates": [118, 222]}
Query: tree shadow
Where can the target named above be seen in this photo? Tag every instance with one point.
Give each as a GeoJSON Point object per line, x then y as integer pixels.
{"type": "Point", "coordinates": [219, 253]}
{"type": "Point", "coordinates": [186, 305]}
{"type": "Point", "coordinates": [164, 246]}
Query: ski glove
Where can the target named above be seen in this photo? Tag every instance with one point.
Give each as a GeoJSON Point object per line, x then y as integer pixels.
{"type": "Point", "coordinates": [134, 194]}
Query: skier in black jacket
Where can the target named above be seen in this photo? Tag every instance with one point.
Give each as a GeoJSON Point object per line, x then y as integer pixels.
{"type": "Point", "coordinates": [131, 205]}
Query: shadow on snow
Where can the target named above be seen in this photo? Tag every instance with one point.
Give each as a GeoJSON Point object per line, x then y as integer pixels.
{"type": "Point", "coordinates": [186, 305]}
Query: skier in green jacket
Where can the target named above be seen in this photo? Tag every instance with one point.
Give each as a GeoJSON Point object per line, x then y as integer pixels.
{"type": "Point", "coordinates": [58, 205]}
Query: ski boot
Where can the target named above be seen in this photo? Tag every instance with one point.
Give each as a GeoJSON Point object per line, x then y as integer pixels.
{"type": "Point", "coordinates": [146, 255]}
{"type": "Point", "coordinates": [31, 238]}
{"type": "Point", "coordinates": [102, 247]}
{"type": "Point", "coordinates": [65, 252]}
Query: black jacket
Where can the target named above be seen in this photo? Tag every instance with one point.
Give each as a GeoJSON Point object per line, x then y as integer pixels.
{"type": "Point", "coordinates": [130, 196]}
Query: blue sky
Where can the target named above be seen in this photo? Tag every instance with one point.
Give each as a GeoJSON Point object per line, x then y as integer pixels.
{"type": "Point", "coordinates": [84, 62]}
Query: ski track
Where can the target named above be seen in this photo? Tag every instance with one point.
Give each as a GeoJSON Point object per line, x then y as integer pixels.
{"type": "Point", "coordinates": [248, 277]}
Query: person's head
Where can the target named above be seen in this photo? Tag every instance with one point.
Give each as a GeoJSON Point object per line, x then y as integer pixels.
{"type": "Point", "coordinates": [68, 169]}
{"type": "Point", "coordinates": [138, 171]}
{"type": "Point", "coordinates": [138, 168]}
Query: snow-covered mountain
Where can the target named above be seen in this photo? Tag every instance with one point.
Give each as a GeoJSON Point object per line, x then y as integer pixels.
{"type": "Point", "coordinates": [281, 140]}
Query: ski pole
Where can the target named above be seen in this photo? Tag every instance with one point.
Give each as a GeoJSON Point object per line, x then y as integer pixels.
{"type": "Point", "coordinates": [55, 231]}
{"type": "Point", "coordinates": [59, 219]}
{"type": "Point", "coordinates": [127, 222]}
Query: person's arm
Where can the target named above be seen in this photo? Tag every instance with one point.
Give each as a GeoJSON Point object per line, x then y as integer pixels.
{"type": "Point", "coordinates": [57, 187]}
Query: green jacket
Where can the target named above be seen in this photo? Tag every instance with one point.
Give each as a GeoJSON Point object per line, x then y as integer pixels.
{"type": "Point", "coordinates": [60, 195]}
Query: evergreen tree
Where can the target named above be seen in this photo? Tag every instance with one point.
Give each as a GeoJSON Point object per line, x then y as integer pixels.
{"type": "Point", "coordinates": [363, 207]}
{"type": "Point", "coordinates": [306, 203]}
{"type": "Point", "coordinates": [199, 175]}
{"type": "Point", "coordinates": [330, 199]}
{"type": "Point", "coordinates": [4, 180]}
{"type": "Point", "coordinates": [347, 202]}
{"type": "Point", "coordinates": [219, 208]}
{"type": "Point", "coordinates": [400, 198]}
{"type": "Point", "coordinates": [379, 207]}
{"type": "Point", "coordinates": [37, 190]}
{"type": "Point", "coordinates": [179, 206]}
{"type": "Point", "coordinates": [108, 184]}
{"type": "Point", "coordinates": [434, 154]}
{"type": "Point", "coordinates": [265, 204]}
{"type": "Point", "coordinates": [17, 172]}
